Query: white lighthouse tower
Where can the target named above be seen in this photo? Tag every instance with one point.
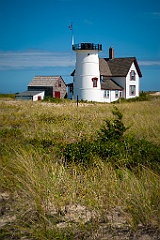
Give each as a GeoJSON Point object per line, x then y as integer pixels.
{"type": "Point", "coordinates": [86, 82]}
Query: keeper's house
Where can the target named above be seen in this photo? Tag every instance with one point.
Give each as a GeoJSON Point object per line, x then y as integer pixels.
{"type": "Point", "coordinates": [103, 79]}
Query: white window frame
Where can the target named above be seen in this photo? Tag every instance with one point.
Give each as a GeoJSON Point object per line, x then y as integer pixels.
{"type": "Point", "coordinates": [106, 93]}
{"type": "Point", "coordinates": [132, 90]}
{"type": "Point", "coordinates": [132, 75]}
{"type": "Point", "coordinates": [116, 93]}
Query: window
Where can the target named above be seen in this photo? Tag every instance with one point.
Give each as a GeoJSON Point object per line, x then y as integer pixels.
{"type": "Point", "coordinates": [116, 94]}
{"type": "Point", "coordinates": [59, 84]}
{"type": "Point", "coordinates": [106, 93]}
{"type": "Point", "coordinates": [132, 90]}
{"type": "Point", "coordinates": [71, 89]}
{"type": "Point", "coordinates": [101, 78]}
{"type": "Point", "coordinates": [94, 80]}
{"type": "Point", "coordinates": [132, 75]}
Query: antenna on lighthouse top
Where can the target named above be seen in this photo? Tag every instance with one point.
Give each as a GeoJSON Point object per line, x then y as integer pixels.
{"type": "Point", "coordinates": [71, 28]}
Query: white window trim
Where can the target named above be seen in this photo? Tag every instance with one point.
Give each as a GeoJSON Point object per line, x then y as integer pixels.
{"type": "Point", "coordinates": [106, 94]}
{"type": "Point", "coordinates": [132, 76]}
{"type": "Point", "coordinates": [116, 93]}
{"type": "Point", "coordinates": [130, 90]}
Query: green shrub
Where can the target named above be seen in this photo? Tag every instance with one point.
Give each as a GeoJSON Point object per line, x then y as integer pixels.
{"type": "Point", "coordinates": [112, 129]}
{"type": "Point", "coordinates": [143, 152]}
{"type": "Point", "coordinates": [55, 100]}
{"type": "Point", "coordinates": [79, 152]}
{"type": "Point", "coordinates": [113, 146]}
{"type": "Point", "coordinates": [9, 95]}
{"type": "Point", "coordinates": [143, 96]}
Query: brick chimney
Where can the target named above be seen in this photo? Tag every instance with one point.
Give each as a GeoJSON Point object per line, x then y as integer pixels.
{"type": "Point", "coordinates": [111, 53]}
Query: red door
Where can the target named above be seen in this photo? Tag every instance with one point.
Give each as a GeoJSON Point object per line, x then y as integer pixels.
{"type": "Point", "coordinates": [57, 94]}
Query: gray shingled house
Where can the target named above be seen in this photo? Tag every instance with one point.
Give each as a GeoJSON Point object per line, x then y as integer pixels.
{"type": "Point", "coordinates": [53, 86]}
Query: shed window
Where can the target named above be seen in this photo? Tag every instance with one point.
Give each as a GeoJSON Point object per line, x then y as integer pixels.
{"type": "Point", "coordinates": [59, 84]}
{"type": "Point", "coordinates": [132, 90]}
{"type": "Point", "coordinates": [132, 75]}
{"type": "Point", "coordinates": [71, 89]}
{"type": "Point", "coordinates": [94, 80]}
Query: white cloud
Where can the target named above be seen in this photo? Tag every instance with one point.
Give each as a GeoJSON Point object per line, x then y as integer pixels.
{"type": "Point", "coordinates": [156, 14]}
{"type": "Point", "coordinates": [153, 14]}
{"type": "Point", "coordinates": [149, 63]}
{"type": "Point", "coordinates": [40, 59]}
{"type": "Point", "coordinates": [34, 59]}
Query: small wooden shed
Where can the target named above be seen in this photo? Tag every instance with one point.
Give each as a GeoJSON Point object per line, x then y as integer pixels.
{"type": "Point", "coordinates": [53, 86]}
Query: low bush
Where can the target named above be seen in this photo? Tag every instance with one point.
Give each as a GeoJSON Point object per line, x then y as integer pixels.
{"type": "Point", "coordinates": [143, 96]}
{"type": "Point", "coordinates": [55, 100]}
{"type": "Point", "coordinates": [112, 145]}
{"type": "Point", "coordinates": [9, 95]}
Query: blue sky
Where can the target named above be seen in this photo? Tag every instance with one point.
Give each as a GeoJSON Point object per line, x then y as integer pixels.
{"type": "Point", "coordinates": [35, 38]}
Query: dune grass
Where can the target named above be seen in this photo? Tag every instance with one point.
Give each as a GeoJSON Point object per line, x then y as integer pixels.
{"type": "Point", "coordinates": [43, 189]}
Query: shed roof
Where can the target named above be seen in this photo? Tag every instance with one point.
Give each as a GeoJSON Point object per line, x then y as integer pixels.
{"type": "Point", "coordinates": [109, 84]}
{"type": "Point", "coordinates": [44, 81]}
{"type": "Point", "coordinates": [29, 93]}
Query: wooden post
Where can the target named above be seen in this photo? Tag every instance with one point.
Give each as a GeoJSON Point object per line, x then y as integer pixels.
{"type": "Point", "coordinates": [77, 100]}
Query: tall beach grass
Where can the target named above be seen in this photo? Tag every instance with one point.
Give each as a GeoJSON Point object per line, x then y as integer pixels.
{"type": "Point", "coordinates": [43, 189]}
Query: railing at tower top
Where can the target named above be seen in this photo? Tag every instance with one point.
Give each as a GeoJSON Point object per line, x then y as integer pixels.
{"type": "Point", "coordinates": [87, 46]}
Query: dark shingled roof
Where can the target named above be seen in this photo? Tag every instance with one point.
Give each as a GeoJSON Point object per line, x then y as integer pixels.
{"type": "Point", "coordinates": [109, 84]}
{"type": "Point", "coordinates": [117, 67]}
{"type": "Point", "coordinates": [104, 68]}
{"type": "Point", "coordinates": [44, 81]}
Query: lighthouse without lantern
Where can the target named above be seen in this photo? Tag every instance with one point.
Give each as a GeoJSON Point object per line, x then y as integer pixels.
{"type": "Point", "coordinates": [86, 80]}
